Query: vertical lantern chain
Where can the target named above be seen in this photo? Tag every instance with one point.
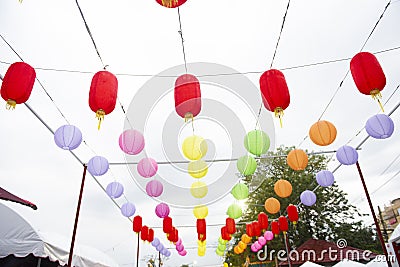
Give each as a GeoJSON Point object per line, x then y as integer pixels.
{"type": "Point", "coordinates": [181, 34]}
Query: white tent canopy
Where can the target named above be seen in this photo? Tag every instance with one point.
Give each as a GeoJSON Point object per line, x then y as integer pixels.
{"type": "Point", "coordinates": [348, 263]}
{"type": "Point", "coordinates": [395, 235]}
{"type": "Point", "coordinates": [310, 264]}
{"type": "Point", "coordinates": [18, 238]}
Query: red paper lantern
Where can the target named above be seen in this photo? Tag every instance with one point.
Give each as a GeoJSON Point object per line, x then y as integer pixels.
{"type": "Point", "coordinates": [230, 226]}
{"type": "Point", "coordinates": [275, 228]}
{"type": "Point", "coordinates": [103, 94]}
{"type": "Point", "coordinates": [201, 226]}
{"type": "Point", "coordinates": [224, 234]}
{"type": "Point", "coordinates": [175, 235]}
{"type": "Point", "coordinates": [171, 235]}
{"type": "Point", "coordinates": [144, 234]}
{"type": "Point", "coordinates": [167, 225]}
{"type": "Point", "coordinates": [150, 236]}
{"type": "Point", "coordinates": [274, 92]}
{"type": "Point", "coordinates": [202, 237]}
{"type": "Point", "coordinates": [283, 224]}
{"type": "Point", "coordinates": [256, 228]}
{"type": "Point", "coordinates": [249, 230]}
{"type": "Point", "coordinates": [368, 75]}
{"type": "Point", "coordinates": [137, 224]}
{"type": "Point", "coordinates": [171, 3]}
{"type": "Point", "coordinates": [17, 84]}
{"type": "Point", "coordinates": [187, 96]}
{"type": "Point", "coordinates": [263, 220]}
{"type": "Point", "coordinates": [292, 213]}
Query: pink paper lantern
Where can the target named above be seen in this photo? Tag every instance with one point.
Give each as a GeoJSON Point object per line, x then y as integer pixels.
{"type": "Point", "coordinates": [180, 247]}
{"type": "Point", "coordinates": [253, 248]}
{"type": "Point", "coordinates": [262, 240]}
{"type": "Point", "coordinates": [147, 167]}
{"type": "Point", "coordinates": [182, 253]}
{"type": "Point", "coordinates": [154, 188]}
{"type": "Point", "coordinates": [178, 242]}
{"type": "Point", "coordinates": [131, 142]}
{"type": "Point", "coordinates": [268, 235]}
{"type": "Point", "coordinates": [162, 211]}
{"type": "Point", "coordinates": [257, 245]}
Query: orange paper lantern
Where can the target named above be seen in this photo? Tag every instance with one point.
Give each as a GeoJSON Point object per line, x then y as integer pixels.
{"type": "Point", "coordinates": [272, 205]}
{"type": "Point", "coordinates": [297, 159]}
{"type": "Point", "coordinates": [283, 188]}
{"type": "Point", "coordinates": [322, 133]}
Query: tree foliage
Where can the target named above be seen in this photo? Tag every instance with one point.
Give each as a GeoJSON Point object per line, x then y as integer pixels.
{"type": "Point", "coordinates": [331, 218]}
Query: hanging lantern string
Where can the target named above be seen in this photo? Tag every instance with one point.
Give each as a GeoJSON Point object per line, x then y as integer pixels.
{"type": "Point", "coordinates": [40, 83]}
{"type": "Point", "coordinates": [181, 34]}
{"type": "Point", "coordinates": [123, 111]}
{"type": "Point", "coordinates": [90, 34]}
{"type": "Point", "coordinates": [215, 74]}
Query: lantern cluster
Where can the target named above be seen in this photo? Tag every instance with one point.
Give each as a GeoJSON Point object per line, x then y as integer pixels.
{"type": "Point", "coordinates": [160, 247]}
{"type": "Point", "coordinates": [180, 248]}
{"type": "Point", "coordinates": [221, 246]}
{"type": "Point", "coordinates": [146, 233]}
{"type": "Point", "coordinates": [242, 244]}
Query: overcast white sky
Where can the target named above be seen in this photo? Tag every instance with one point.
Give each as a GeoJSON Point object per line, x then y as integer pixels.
{"type": "Point", "coordinates": [141, 37]}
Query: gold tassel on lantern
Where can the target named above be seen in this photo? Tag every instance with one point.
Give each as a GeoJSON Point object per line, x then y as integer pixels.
{"type": "Point", "coordinates": [376, 95]}
{"type": "Point", "coordinates": [100, 116]}
{"type": "Point", "coordinates": [169, 3]}
{"type": "Point", "coordinates": [11, 104]}
{"type": "Point", "coordinates": [279, 114]}
{"type": "Point", "coordinates": [188, 116]}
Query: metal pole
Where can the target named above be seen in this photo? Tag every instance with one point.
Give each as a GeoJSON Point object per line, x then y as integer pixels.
{"type": "Point", "coordinates": [137, 250]}
{"type": "Point", "coordinates": [71, 250]}
{"type": "Point", "coordinates": [285, 237]}
{"type": "Point", "coordinates": [378, 229]}
{"type": "Point", "coordinates": [159, 259]}
{"type": "Point", "coordinates": [383, 224]}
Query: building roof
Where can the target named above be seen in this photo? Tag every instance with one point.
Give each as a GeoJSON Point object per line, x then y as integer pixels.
{"type": "Point", "coordinates": [321, 251]}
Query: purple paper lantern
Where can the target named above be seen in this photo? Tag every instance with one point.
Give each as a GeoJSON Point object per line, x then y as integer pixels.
{"type": "Point", "coordinates": [128, 209]}
{"type": "Point", "coordinates": [131, 142]}
{"type": "Point", "coordinates": [160, 247]}
{"type": "Point", "coordinates": [347, 155]}
{"type": "Point", "coordinates": [162, 211]}
{"type": "Point", "coordinates": [379, 126]}
{"type": "Point", "coordinates": [97, 166]}
{"type": "Point", "coordinates": [68, 137]}
{"type": "Point", "coordinates": [325, 178]}
{"type": "Point", "coordinates": [155, 242]}
{"type": "Point", "coordinates": [181, 253]}
{"type": "Point", "coordinates": [262, 240]}
{"type": "Point", "coordinates": [147, 167]}
{"type": "Point", "coordinates": [268, 235]}
{"type": "Point", "coordinates": [154, 188]}
{"type": "Point", "coordinates": [114, 190]}
{"type": "Point", "coordinates": [168, 253]}
{"type": "Point", "coordinates": [164, 251]}
{"type": "Point", "coordinates": [308, 198]}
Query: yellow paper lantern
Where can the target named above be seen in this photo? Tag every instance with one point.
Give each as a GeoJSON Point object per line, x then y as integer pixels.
{"type": "Point", "coordinates": [226, 264]}
{"type": "Point", "coordinates": [200, 211]}
{"type": "Point", "coordinates": [245, 238]}
{"type": "Point", "coordinates": [272, 205]}
{"type": "Point", "coordinates": [202, 243]}
{"type": "Point", "coordinates": [194, 147]}
{"type": "Point", "coordinates": [242, 245]}
{"type": "Point", "coordinates": [197, 169]}
{"type": "Point", "coordinates": [283, 188]}
{"type": "Point", "coordinates": [297, 159]}
{"type": "Point", "coordinates": [322, 133]}
{"type": "Point", "coordinates": [199, 189]}
{"type": "Point", "coordinates": [201, 251]}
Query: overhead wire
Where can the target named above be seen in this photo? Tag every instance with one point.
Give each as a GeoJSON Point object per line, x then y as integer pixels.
{"type": "Point", "coordinates": [182, 40]}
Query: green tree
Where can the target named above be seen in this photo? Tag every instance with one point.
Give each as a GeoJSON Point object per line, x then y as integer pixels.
{"type": "Point", "coordinates": [332, 216]}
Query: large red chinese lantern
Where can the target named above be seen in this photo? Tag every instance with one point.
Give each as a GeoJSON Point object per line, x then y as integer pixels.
{"type": "Point", "coordinates": [263, 220]}
{"type": "Point", "coordinates": [283, 224]}
{"type": "Point", "coordinates": [187, 96]}
{"type": "Point", "coordinates": [256, 228]}
{"type": "Point", "coordinates": [230, 225]}
{"type": "Point", "coordinates": [137, 224]}
{"type": "Point", "coordinates": [17, 84]}
{"type": "Point", "coordinates": [368, 75]}
{"type": "Point", "coordinates": [150, 236]}
{"type": "Point", "coordinates": [103, 94]}
{"type": "Point", "coordinates": [171, 3]}
{"type": "Point", "coordinates": [144, 233]}
{"type": "Point", "coordinates": [167, 225]}
{"type": "Point", "coordinates": [275, 228]}
{"type": "Point", "coordinates": [292, 213]}
{"type": "Point", "coordinates": [201, 226]}
{"type": "Point", "coordinates": [274, 92]}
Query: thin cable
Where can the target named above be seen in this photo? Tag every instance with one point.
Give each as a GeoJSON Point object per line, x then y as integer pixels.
{"type": "Point", "coordinates": [125, 115]}
{"type": "Point", "coordinates": [90, 34]}
{"type": "Point", "coordinates": [280, 34]}
{"type": "Point", "coordinates": [181, 34]}
{"type": "Point", "coordinates": [37, 79]}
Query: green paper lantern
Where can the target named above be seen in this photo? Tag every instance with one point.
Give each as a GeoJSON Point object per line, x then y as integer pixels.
{"type": "Point", "coordinates": [219, 252]}
{"type": "Point", "coordinates": [246, 165]}
{"type": "Point", "coordinates": [221, 247]}
{"type": "Point", "coordinates": [257, 142]}
{"type": "Point", "coordinates": [240, 191]}
{"type": "Point", "coordinates": [222, 241]}
{"type": "Point", "coordinates": [234, 211]}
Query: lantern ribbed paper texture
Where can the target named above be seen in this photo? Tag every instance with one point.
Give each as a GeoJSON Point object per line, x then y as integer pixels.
{"type": "Point", "coordinates": [246, 165]}
{"type": "Point", "coordinates": [68, 137]}
{"type": "Point", "coordinates": [268, 235]}
{"type": "Point", "coordinates": [147, 167]}
{"type": "Point", "coordinates": [131, 142]}
{"type": "Point", "coordinates": [154, 188]}
{"type": "Point", "coordinates": [240, 191]}
{"type": "Point", "coordinates": [272, 205]}
{"type": "Point", "coordinates": [200, 211]}
{"type": "Point", "coordinates": [199, 189]}
{"type": "Point", "coordinates": [283, 188]}
{"type": "Point", "coordinates": [379, 126]}
{"type": "Point", "coordinates": [234, 211]}
{"type": "Point", "coordinates": [257, 142]}
{"type": "Point", "coordinates": [187, 96]}
{"type": "Point", "coordinates": [114, 190]}
{"type": "Point", "coordinates": [322, 133]}
{"type": "Point", "coordinates": [325, 178]}
{"type": "Point", "coordinates": [162, 210]}
{"type": "Point", "coordinates": [347, 155]}
{"type": "Point", "coordinates": [297, 159]}
{"type": "Point", "coordinates": [194, 147]}
{"type": "Point", "coordinates": [128, 209]}
{"type": "Point", "coordinates": [308, 198]}
{"type": "Point", "coordinates": [197, 169]}
{"type": "Point", "coordinates": [97, 166]}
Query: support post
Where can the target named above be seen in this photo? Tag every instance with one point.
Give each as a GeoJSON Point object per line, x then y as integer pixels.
{"type": "Point", "coordinates": [378, 229]}
{"type": "Point", "coordinates": [137, 250]}
{"type": "Point", "coordinates": [285, 237]}
{"type": "Point", "coordinates": [71, 250]}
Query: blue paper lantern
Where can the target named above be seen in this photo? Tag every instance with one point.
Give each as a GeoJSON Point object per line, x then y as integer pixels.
{"type": "Point", "coordinates": [308, 198]}
{"type": "Point", "coordinates": [97, 166]}
{"type": "Point", "coordinates": [325, 178]}
{"type": "Point", "coordinates": [155, 242]}
{"type": "Point", "coordinates": [128, 209]}
{"type": "Point", "coordinates": [379, 126]}
{"type": "Point", "coordinates": [347, 155]}
{"type": "Point", "coordinates": [114, 190]}
{"type": "Point", "coordinates": [68, 137]}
